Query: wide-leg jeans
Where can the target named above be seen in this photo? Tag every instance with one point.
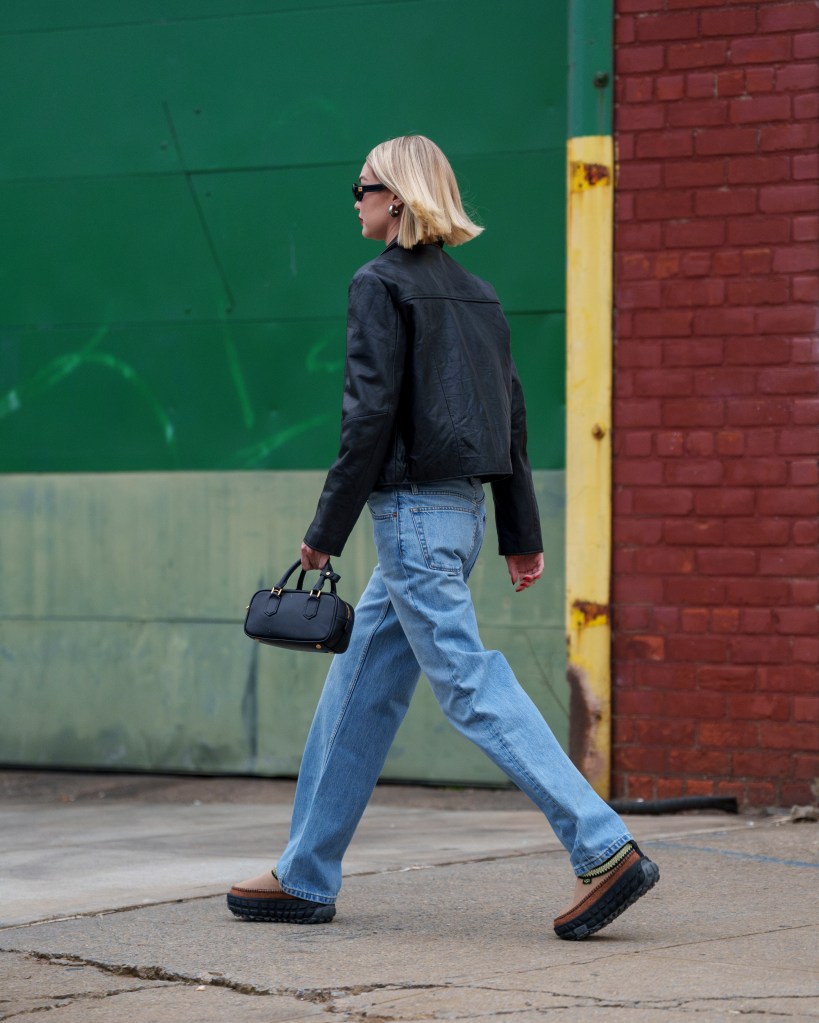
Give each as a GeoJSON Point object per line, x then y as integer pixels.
{"type": "Point", "coordinates": [415, 615]}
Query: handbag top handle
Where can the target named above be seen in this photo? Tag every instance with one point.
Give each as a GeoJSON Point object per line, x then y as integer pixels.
{"type": "Point", "coordinates": [325, 573]}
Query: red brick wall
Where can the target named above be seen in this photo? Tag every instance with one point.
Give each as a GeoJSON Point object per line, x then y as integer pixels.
{"type": "Point", "coordinates": [716, 423]}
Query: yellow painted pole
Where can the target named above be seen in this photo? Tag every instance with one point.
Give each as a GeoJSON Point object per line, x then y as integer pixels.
{"type": "Point", "coordinates": [588, 452]}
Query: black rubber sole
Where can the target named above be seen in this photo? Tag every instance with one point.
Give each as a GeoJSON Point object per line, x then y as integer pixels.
{"type": "Point", "coordinates": [632, 885]}
{"type": "Point", "coordinates": [281, 911]}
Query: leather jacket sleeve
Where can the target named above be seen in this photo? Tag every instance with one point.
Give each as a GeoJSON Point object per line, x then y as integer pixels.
{"type": "Point", "coordinates": [372, 383]}
{"type": "Point", "coordinates": [516, 512]}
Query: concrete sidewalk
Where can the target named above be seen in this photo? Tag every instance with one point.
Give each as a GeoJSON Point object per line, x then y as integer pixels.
{"type": "Point", "coordinates": [113, 908]}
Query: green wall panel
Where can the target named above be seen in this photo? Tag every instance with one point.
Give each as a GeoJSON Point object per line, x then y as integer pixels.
{"type": "Point", "coordinates": [264, 246]}
{"type": "Point", "coordinates": [121, 602]}
{"type": "Point", "coordinates": [75, 260]}
{"type": "Point", "coordinates": [292, 87]}
{"type": "Point", "coordinates": [178, 228]}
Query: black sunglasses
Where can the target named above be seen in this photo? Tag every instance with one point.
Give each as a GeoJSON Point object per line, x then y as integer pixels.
{"type": "Point", "coordinates": [359, 190]}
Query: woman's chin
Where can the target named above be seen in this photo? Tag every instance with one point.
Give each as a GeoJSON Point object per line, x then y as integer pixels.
{"type": "Point", "coordinates": [371, 235]}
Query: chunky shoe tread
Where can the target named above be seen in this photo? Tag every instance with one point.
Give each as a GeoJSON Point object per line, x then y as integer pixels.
{"type": "Point", "coordinates": [277, 907]}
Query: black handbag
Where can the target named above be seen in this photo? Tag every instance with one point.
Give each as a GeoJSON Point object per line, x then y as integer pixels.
{"type": "Point", "coordinates": [301, 619]}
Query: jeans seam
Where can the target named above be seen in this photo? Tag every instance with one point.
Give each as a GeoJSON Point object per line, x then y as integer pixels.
{"type": "Point", "coordinates": [589, 863]}
{"type": "Point", "coordinates": [547, 797]}
{"type": "Point", "coordinates": [444, 507]}
{"type": "Point", "coordinates": [498, 738]}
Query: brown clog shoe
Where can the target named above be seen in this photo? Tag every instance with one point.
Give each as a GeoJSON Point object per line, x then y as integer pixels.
{"type": "Point", "coordinates": [623, 886]}
{"type": "Point", "coordinates": [258, 900]}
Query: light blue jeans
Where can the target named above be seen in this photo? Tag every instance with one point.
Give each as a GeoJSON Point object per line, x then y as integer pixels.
{"type": "Point", "coordinates": [416, 615]}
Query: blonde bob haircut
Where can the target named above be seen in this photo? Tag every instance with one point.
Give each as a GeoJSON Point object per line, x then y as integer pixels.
{"type": "Point", "coordinates": [416, 170]}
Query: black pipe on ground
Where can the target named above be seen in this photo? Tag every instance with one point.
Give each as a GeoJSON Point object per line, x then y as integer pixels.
{"type": "Point", "coordinates": [678, 804]}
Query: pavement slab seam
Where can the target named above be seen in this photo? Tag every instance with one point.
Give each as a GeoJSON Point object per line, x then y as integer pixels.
{"type": "Point", "coordinates": [663, 947]}
{"type": "Point", "coordinates": [91, 914]}
{"type": "Point", "coordinates": [569, 1002]}
{"type": "Point", "coordinates": [622, 1003]}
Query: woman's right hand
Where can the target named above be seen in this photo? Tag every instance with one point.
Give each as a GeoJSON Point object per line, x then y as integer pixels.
{"type": "Point", "coordinates": [312, 559]}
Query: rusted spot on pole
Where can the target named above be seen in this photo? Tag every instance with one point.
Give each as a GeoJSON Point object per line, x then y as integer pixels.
{"type": "Point", "coordinates": [587, 612]}
{"type": "Point", "coordinates": [585, 714]}
{"type": "Point", "coordinates": [589, 175]}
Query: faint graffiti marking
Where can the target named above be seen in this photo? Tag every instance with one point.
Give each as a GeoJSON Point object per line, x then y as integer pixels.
{"type": "Point", "coordinates": [315, 363]}
{"type": "Point", "coordinates": [129, 373]}
{"type": "Point", "coordinates": [236, 375]}
{"type": "Point", "coordinates": [251, 457]}
{"type": "Point", "coordinates": [52, 373]}
{"type": "Point", "coordinates": [58, 369]}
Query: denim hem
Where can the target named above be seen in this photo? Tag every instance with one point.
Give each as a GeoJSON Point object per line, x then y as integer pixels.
{"type": "Point", "coordinates": [309, 896]}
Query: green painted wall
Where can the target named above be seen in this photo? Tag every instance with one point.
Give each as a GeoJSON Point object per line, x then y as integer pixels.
{"type": "Point", "coordinates": [178, 236]}
{"type": "Point", "coordinates": [178, 228]}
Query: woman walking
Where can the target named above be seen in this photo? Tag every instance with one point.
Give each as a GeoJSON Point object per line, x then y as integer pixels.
{"type": "Point", "coordinates": [432, 410]}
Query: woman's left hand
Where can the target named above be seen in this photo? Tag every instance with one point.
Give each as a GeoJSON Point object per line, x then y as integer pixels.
{"type": "Point", "coordinates": [311, 558]}
{"type": "Point", "coordinates": [524, 569]}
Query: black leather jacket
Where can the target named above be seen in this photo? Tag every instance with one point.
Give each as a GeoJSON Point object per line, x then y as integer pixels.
{"type": "Point", "coordinates": [430, 393]}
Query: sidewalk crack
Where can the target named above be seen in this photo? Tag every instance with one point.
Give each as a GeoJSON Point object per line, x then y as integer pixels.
{"type": "Point", "coordinates": [159, 973]}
